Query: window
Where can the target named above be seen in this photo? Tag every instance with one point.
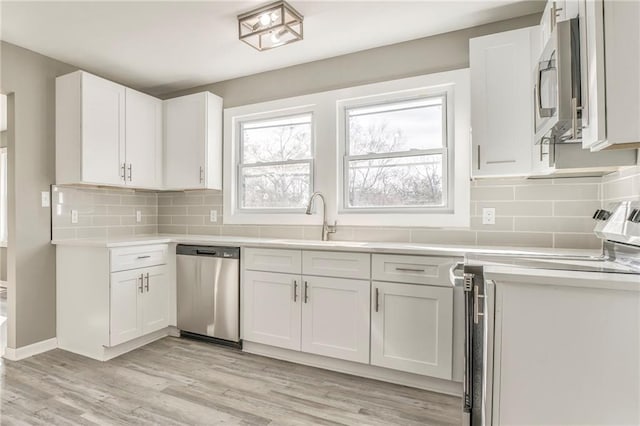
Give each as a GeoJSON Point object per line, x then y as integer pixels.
{"type": "Point", "coordinates": [275, 169]}
{"type": "Point", "coordinates": [396, 155]}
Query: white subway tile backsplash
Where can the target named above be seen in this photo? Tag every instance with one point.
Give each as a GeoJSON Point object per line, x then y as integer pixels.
{"type": "Point", "coordinates": [538, 213]}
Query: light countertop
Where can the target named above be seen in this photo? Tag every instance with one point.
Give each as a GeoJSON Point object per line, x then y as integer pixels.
{"type": "Point", "coordinates": [353, 246]}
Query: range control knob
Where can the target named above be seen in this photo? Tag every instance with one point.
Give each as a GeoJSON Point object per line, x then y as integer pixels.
{"type": "Point", "coordinates": [604, 215]}
{"type": "Point", "coordinates": [601, 214]}
{"type": "Point", "coordinates": [634, 216]}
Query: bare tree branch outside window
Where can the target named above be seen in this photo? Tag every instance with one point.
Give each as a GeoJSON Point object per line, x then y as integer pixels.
{"type": "Point", "coordinates": [276, 163]}
{"type": "Point", "coordinates": [396, 154]}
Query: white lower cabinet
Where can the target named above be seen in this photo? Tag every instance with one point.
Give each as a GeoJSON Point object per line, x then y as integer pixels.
{"type": "Point", "coordinates": [139, 303]}
{"type": "Point", "coordinates": [567, 353]}
{"type": "Point", "coordinates": [335, 318]}
{"type": "Point", "coordinates": [302, 303]}
{"type": "Point", "coordinates": [272, 309]}
{"type": "Point", "coordinates": [411, 328]}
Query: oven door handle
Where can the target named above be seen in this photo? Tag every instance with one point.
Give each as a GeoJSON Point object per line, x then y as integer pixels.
{"type": "Point", "coordinates": [467, 402]}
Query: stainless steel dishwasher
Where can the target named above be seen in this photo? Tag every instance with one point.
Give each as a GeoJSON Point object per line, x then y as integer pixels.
{"type": "Point", "coordinates": [208, 280]}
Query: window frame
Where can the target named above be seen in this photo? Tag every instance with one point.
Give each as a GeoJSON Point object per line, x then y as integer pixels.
{"type": "Point", "coordinates": [344, 145]}
{"type": "Point", "coordinates": [239, 165]}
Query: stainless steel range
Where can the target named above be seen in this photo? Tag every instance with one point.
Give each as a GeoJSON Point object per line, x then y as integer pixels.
{"type": "Point", "coordinates": [618, 226]}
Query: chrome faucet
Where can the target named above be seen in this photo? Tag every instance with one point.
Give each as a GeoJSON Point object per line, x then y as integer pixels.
{"type": "Point", "coordinates": [326, 229]}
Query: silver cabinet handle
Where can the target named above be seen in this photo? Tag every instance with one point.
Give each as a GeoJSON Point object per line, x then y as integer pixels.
{"type": "Point", "coordinates": [574, 118]}
{"type": "Point", "coordinates": [143, 257]}
{"type": "Point", "coordinates": [141, 288]}
{"type": "Point", "coordinates": [377, 299]}
{"type": "Point", "coordinates": [476, 304]}
{"type": "Point", "coordinates": [130, 168]}
{"type": "Point", "coordinates": [201, 174]}
{"type": "Point", "coordinates": [306, 292]}
{"type": "Point", "coordinates": [122, 171]}
{"type": "Point", "coordinates": [295, 290]}
{"type": "Point", "coordinates": [409, 270]}
{"type": "Point", "coordinates": [478, 157]}
{"type": "Point", "coordinates": [147, 285]}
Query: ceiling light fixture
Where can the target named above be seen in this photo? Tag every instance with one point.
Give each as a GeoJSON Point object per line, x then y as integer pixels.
{"type": "Point", "coordinates": [273, 25]}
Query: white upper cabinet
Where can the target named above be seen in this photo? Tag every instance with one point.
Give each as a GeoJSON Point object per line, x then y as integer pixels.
{"type": "Point", "coordinates": [554, 12]}
{"type": "Point", "coordinates": [193, 142]}
{"type": "Point", "coordinates": [90, 139]}
{"type": "Point", "coordinates": [143, 126]}
{"type": "Point", "coordinates": [610, 49]}
{"type": "Point", "coordinates": [501, 102]}
{"type": "Point", "coordinates": [106, 133]}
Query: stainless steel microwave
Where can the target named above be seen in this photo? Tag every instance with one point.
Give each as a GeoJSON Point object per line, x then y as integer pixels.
{"type": "Point", "coordinates": [557, 86]}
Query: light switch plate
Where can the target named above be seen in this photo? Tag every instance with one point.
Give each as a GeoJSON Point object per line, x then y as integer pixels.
{"type": "Point", "coordinates": [488, 216]}
{"type": "Point", "coordinates": [138, 216]}
{"type": "Point", "coordinates": [45, 199]}
{"type": "Point", "coordinates": [74, 216]}
{"type": "Point", "coordinates": [213, 216]}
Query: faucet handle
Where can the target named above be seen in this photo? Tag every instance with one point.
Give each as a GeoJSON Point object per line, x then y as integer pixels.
{"type": "Point", "coordinates": [331, 229]}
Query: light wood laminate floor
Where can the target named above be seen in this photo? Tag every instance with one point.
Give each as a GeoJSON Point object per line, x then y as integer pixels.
{"type": "Point", "coordinates": [180, 381]}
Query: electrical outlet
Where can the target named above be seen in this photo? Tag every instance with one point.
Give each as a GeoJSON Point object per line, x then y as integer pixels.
{"type": "Point", "coordinates": [213, 216]}
{"type": "Point", "coordinates": [138, 216]}
{"type": "Point", "coordinates": [45, 200]}
{"type": "Point", "coordinates": [74, 216]}
{"type": "Point", "coordinates": [488, 216]}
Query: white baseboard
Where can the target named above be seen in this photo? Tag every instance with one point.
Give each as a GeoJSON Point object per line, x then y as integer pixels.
{"type": "Point", "coordinates": [112, 352]}
{"type": "Point", "coordinates": [448, 387]}
{"type": "Point", "coordinates": [16, 354]}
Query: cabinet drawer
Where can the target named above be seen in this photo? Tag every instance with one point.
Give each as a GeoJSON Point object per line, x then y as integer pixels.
{"type": "Point", "coordinates": [126, 258]}
{"type": "Point", "coordinates": [412, 269]}
{"type": "Point", "coordinates": [336, 264]}
{"type": "Point", "coordinates": [272, 260]}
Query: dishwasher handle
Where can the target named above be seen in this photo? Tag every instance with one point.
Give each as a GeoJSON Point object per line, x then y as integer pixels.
{"type": "Point", "coordinates": [206, 253]}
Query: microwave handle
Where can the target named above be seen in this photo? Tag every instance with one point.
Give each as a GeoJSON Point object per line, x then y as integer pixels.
{"type": "Point", "coordinates": [548, 66]}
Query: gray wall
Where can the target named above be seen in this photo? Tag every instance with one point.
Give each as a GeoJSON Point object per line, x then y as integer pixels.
{"type": "Point", "coordinates": [427, 55]}
{"type": "Point", "coordinates": [30, 79]}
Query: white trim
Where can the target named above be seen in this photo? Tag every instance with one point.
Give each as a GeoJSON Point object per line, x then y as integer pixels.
{"type": "Point", "coordinates": [433, 384]}
{"type": "Point", "coordinates": [13, 354]}
{"type": "Point", "coordinates": [328, 162]}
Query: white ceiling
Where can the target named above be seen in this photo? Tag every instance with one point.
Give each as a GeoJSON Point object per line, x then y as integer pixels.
{"type": "Point", "coordinates": [161, 46]}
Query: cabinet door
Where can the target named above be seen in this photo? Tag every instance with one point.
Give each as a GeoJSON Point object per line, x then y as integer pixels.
{"type": "Point", "coordinates": [103, 139]}
{"type": "Point", "coordinates": [185, 121]}
{"type": "Point", "coordinates": [271, 309]}
{"type": "Point", "coordinates": [336, 318]}
{"type": "Point", "coordinates": [155, 300]}
{"type": "Point", "coordinates": [593, 83]}
{"type": "Point", "coordinates": [501, 103]}
{"type": "Point", "coordinates": [125, 306]}
{"type": "Point", "coordinates": [412, 328]}
{"type": "Point", "coordinates": [566, 355]}
{"type": "Point", "coordinates": [143, 140]}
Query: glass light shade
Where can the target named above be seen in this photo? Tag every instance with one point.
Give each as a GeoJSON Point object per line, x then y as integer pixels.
{"type": "Point", "coordinates": [273, 25]}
